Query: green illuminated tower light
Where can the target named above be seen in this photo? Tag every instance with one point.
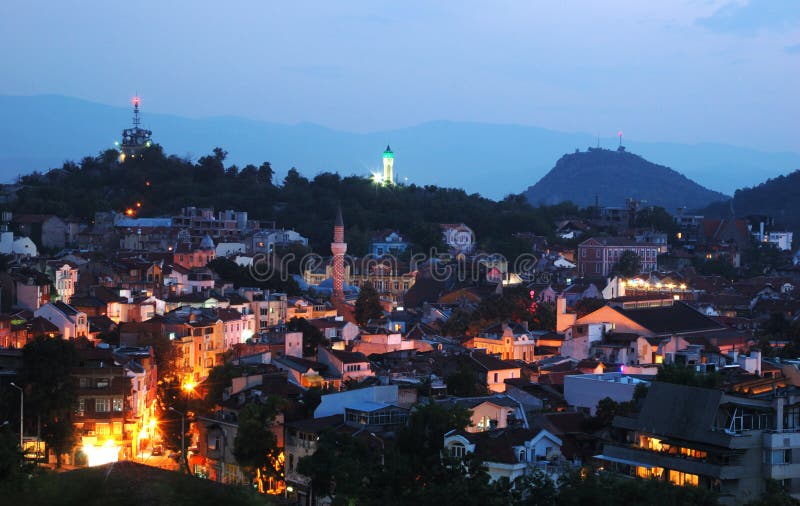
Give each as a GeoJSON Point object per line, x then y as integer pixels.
{"type": "Point", "coordinates": [388, 166]}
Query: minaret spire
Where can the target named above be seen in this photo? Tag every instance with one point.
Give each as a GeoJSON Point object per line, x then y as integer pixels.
{"type": "Point", "coordinates": [338, 249]}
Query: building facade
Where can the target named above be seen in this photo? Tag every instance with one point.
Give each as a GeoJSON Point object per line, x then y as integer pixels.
{"type": "Point", "coordinates": [597, 256]}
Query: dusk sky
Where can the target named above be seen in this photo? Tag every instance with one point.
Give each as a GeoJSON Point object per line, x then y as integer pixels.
{"type": "Point", "coordinates": [685, 71]}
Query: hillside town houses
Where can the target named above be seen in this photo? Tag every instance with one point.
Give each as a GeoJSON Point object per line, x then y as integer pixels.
{"type": "Point", "coordinates": [125, 289]}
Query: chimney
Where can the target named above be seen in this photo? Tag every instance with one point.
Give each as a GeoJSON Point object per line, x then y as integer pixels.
{"type": "Point", "coordinates": [564, 320]}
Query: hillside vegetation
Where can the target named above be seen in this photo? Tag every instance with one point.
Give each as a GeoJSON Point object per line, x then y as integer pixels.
{"type": "Point", "coordinates": [164, 184]}
{"type": "Point", "coordinates": [614, 176]}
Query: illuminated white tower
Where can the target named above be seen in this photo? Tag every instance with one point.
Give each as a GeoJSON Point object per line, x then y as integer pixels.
{"type": "Point", "coordinates": [388, 166]}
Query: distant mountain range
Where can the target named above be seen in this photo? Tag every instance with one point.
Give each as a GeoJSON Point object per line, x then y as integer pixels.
{"type": "Point", "coordinates": [611, 177]}
{"type": "Point", "coordinates": [778, 198]}
{"type": "Point", "coordinates": [41, 132]}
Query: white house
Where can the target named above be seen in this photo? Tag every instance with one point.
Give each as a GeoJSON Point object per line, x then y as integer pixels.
{"type": "Point", "coordinates": [228, 249]}
{"type": "Point", "coordinates": [509, 453]}
{"type": "Point", "coordinates": [19, 246]}
{"type": "Point", "coordinates": [264, 241]}
{"type": "Point", "coordinates": [345, 364]}
{"type": "Point", "coordinates": [563, 263]}
{"type": "Point", "coordinates": [70, 322]}
{"type": "Point", "coordinates": [491, 412]}
{"type": "Point", "coordinates": [66, 277]}
{"type": "Point", "coordinates": [336, 330]}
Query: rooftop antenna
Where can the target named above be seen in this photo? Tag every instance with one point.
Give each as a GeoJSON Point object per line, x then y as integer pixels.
{"type": "Point", "coordinates": [619, 134]}
{"type": "Point", "coordinates": [598, 141]}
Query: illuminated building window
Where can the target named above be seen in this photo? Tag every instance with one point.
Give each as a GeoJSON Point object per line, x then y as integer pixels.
{"type": "Point", "coordinates": [102, 429]}
{"type": "Point", "coordinates": [650, 443]}
{"type": "Point", "coordinates": [117, 428]}
{"type": "Point", "coordinates": [649, 472]}
{"type": "Point", "coordinates": [81, 407]}
{"type": "Point", "coordinates": [102, 405]}
{"type": "Point", "coordinates": [117, 404]}
{"type": "Point", "coordinates": [683, 479]}
{"type": "Point", "coordinates": [695, 454]}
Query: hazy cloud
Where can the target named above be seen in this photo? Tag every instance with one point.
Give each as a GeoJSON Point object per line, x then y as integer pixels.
{"type": "Point", "coordinates": [749, 17]}
{"type": "Point", "coordinates": [793, 49]}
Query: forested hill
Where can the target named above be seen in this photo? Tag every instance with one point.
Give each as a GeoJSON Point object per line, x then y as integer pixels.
{"type": "Point", "coordinates": [164, 184]}
{"type": "Point", "coordinates": [778, 197]}
{"type": "Point", "coordinates": [613, 177]}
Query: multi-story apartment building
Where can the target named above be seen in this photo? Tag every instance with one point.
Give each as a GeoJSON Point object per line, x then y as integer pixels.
{"type": "Point", "coordinates": [115, 411]}
{"type": "Point", "coordinates": [200, 334]}
{"type": "Point", "coordinates": [31, 289]}
{"type": "Point", "coordinates": [728, 442]}
{"type": "Point", "coordinates": [597, 256]}
{"type": "Point", "coordinates": [237, 327]}
{"type": "Point", "coordinates": [226, 225]}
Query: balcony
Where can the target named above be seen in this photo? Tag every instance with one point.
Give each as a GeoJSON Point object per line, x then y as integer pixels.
{"type": "Point", "coordinates": [647, 458]}
{"type": "Point", "coordinates": [788, 438]}
{"type": "Point", "coordinates": [295, 442]}
{"type": "Point", "coordinates": [781, 471]}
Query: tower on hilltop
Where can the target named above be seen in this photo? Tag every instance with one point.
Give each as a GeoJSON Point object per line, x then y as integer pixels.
{"type": "Point", "coordinates": [388, 166]}
{"type": "Point", "coordinates": [338, 248]}
{"type": "Point", "coordinates": [136, 139]}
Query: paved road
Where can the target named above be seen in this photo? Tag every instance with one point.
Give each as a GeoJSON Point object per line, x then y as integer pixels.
{"type": "Point", "coordinates": [160, 461]}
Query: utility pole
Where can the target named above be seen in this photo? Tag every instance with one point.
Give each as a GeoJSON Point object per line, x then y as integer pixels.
{"type": "Point", "coordinates": [183, 436]}
{"type": "Point", "coordinates": [21, 412]}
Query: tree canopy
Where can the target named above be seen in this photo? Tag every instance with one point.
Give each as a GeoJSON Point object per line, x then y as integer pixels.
{"type": "Point", "coordinates": [163, 184]}
{"type": "Point", "coordinates": [368, 305]}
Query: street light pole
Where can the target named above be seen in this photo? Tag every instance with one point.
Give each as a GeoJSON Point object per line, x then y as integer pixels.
{"type": "Point", "coordinates": [183, 435]}
{"type": "Point", "coordinates": [21, 412]}
{"type": "Point", "coordinates": [383, 446]}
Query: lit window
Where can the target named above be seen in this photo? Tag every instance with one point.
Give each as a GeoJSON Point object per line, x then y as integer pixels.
{"type": "Point", "coordinates": [102, 405]}
{"type": "Point", "coordinates": [117, 404]}
{"type": "Point", "coordinates": [457, 450]}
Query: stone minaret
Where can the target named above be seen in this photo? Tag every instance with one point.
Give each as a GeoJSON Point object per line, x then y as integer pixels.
{"type": "Point", "coordinates": [338, 248]}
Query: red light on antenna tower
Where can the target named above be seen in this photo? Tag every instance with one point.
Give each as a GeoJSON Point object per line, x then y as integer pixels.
{"type": "Point", "coordinates": [136, 101]}
{"type": "Point", "coordinates": [619, 134]}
